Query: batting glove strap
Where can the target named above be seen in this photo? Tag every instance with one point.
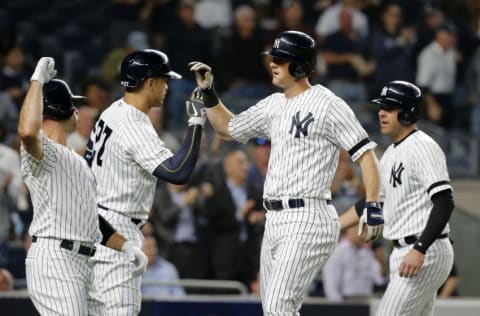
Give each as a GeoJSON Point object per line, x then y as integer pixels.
{"type": "Point", "coordinates": [210, 97]}
{"type": "Point", "coordinates": [372, 218]}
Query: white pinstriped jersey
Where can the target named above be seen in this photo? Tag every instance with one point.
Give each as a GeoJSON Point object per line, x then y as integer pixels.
{"type": "Point", "coordinates": [412, 172]}
{"type": "Point", "coordinates": [306, 132]}
{"type": "Point", "coordinates": [63, 194]}
{"type": "Point", "coordinates": [127, 150]}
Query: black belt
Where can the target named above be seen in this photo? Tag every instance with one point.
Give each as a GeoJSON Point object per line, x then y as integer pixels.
{"type": "Point", "coordinates": [136, 221]}
{"type": "Point", "coordinates": [276, 205]}
{"type": "Point", "coordinates": [68, 244]}
{"type": "Point", "coordinates": [410, 240]}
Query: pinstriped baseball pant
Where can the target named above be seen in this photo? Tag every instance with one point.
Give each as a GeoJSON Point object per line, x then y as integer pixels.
{"type": "Point", "coordinates": [58, 280]}
{"type": "Point", "coordinates": [416, 296]}
{"type": "Point", "coordinates": [115, 292]}
{"type": "Point", "coordinates": [296, 244]}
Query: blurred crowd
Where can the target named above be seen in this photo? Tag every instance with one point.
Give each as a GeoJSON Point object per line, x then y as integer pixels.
{"type": "Point", "coordinates": [212, 227]}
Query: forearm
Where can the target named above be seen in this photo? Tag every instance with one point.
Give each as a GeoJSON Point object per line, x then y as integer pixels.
{"type": "Point", "coordinates": [178, 168]}
{"type": "Point", "coordinates": [116, 241]}
{"type": "Point", "coordinates": [370, 175]}
{"type": "Point", "coordinates": [219, 117]}
{"type": "Point", "coordinates": [111, 238]}
{"type": "Point", "coordinates": [31, 118]}
{"type": "Point", "coordinates": [349, 218]}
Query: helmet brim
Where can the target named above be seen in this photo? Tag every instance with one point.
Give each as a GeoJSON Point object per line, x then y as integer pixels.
{"type": "Point", "coordinates": [172, 75]}
{"type": "Point", "coordinates": [387, 101]}
{"type": "Point", "coordinates": [78, 100]}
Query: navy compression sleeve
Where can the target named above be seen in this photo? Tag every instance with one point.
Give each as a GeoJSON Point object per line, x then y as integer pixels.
{"type": "Point", "coordinates": [106, 228]}
{"type": "Point", "coordinates": [442, 209]}
{"type": "Point", "coordinates": [178, 168]}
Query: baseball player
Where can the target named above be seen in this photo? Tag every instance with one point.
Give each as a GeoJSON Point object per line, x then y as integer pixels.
{"type": "Point", "coordinates": [127, 157]}
{"type": "Point", "coordinates": [65, 225]}
{"type": "Point", "coordinates": [418, 202]}
{"type": "Point", "coordinates": [307, 125]}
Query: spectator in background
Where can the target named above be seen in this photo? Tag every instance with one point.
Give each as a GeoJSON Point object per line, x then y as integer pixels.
{"type": "Point", "coordinates": [232, 212]}
{"type": "Point", "coordinates": [347, 187]}
{"type": "Point", "coordinates": [13, 79]}
{"type": "Point", "coordinates": [97, 92]}
{"type": "Point", "coordinates": [329, 22]}
{"type": "Point", "coordinates": [345, 281]}
{"type": "Point", "coordinates": [436, 70]}
{"type": "Point", "coordinates": [156, 116]}
{"type": "Point", "coordinates": [6, 280]}
{"type": "Point", "coordinates": [345, 54]}
{"type": "Point", "coordinates": [86, 121]}
{"type": "Point", "coordinates": [313, 9]}
{"type": "Point", "coordinates": [185, 41]}
{"type": "Point", "coordinates": [10, 184]}
{"type": "Point", "coordinates": [110, 69]}
{"type": "Point", "coordinates": [291, 18]}
{"type": "Point", "coordinates": [9, 119]}
{"type": "Point", "coordinates": [176, 221]}
{"type": "Point", "coordinates": [390, 45]}
{"type": "Point", "coordinates": [473, 90]}
{"type": "Point", "coordinates": [260, 153]}
{"type": "Point", "coordinates": [213, 14]}
{"type": "Point", "coordinates": [127, 15]}
{"type": "Point", "coordinates": [240, 66]}
{"type": "Point", "coordinates": [158, 269]}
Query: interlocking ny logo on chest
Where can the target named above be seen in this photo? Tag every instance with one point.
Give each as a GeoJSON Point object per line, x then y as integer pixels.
{"type": "Point", "coordinates": [396, 174]}
{"type": "Point", "coordinates": [300, 126]}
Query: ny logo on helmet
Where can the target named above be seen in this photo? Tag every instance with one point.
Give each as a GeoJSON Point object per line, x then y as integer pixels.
{"type": "Point", "coordinates": [276, 44]}
{"type": "Point", "coordinates": [384, 91]}
{"type": "Point", "coordinates": [301, 126]}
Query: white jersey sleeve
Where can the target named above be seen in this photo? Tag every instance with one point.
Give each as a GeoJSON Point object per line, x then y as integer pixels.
{"type": "Point", "coordinates": [146, 148]}
{"type": "Point", "coordinates": [34, 166]}
{"type": "Point", "coordinates": [432, 168]}
{"type": "Point", "coordinates": [253, 122]}
{"type": "Point", "coordinates": [344, 129]}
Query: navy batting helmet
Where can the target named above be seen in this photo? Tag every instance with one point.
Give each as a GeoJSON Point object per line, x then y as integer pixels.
{"type": "Point", "coordinates": [58, 101]}
{"type": "Point", "coordinates": [143, 64]}
{"type": "Point", "coordinates": [298, 48]}
{"type": "Point", "coordinates": [405, 96]}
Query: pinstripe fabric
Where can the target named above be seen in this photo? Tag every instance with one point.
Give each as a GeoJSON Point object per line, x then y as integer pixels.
{"type": "Point", "coordinates": [125, 159]}
{"type": "Point", "coordinates": [315, 155]}
{"type": "Point", "coordinates": [412, 171]}
{"type": "Point", "coordinates": [58, 279]}
{"type": "Point", "coordinates": [416, 296]}
{"type": "Point", "coordinates": [306, 133]}
{"type": "Point", "coordinates": [407, 205]}
{"type": "Point", "coordinates": [296, 244]}
{"type": "Point", "coordinates": [64, 207]}
{"type": "Point", "coordinates": [115, 291]}
{"type": "Point", "coordinates": [63, 195]}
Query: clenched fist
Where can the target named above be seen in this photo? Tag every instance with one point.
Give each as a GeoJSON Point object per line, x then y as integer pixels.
{"type": "Point", "coordinates": [44, 71]}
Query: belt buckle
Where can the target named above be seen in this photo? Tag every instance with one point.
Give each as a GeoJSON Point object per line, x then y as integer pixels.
{"type": "Point", "coordinates": [402, 242]}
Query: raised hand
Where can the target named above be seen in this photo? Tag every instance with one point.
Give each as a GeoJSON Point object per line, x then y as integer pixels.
{"type": "Point", "coordinates": [44, 71]}
{"type": "Point", "coordinates": [203, 74]}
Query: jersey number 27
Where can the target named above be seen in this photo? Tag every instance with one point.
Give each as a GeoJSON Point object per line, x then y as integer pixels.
{"type": "Point", "coordinates": [95, 150]}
